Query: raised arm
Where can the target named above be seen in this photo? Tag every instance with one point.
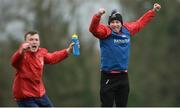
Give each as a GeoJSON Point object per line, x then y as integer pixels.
{"type": "Point", "coordinates": [18, 55]}
{"type": "Point", "coordinates": [96, 28]}
{"type": "Point", "coordinates": [136, 26]}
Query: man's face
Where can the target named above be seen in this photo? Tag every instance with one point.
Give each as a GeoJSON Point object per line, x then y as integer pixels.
{"type": "Point", "coordinates": [34, 42]}
{"type": "Point", "coordinates": [115, 25]}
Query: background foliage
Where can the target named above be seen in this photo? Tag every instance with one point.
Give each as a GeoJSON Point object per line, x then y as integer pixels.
{"type": "Point", "coordinates": [154, 64]}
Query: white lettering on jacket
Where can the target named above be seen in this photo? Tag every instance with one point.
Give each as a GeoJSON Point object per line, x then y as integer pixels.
{"type": "Point", "coordinates": [121, 41]}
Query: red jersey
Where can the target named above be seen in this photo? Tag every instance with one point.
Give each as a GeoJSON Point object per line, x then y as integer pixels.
{"type": "Point", "coordinates": [29, 70]}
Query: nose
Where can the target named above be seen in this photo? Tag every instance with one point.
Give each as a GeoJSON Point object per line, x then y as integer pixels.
{"type": "Point", "coordinates": [34, 41]}
{"type": "Point", "coordinates": [115, 25]}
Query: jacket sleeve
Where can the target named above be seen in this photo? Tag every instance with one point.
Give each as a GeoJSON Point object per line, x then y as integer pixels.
{"type": "Point", "coordinates": [99, 30]}
{"type": "Point", "coordinates": [136, 26]}
{"type": "Point", "coordinates": [16, 59]}
{"type": "Point", "coordinates": [55, 57]}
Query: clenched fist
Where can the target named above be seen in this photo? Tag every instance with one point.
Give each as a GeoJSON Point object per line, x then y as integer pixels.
{"type": "Point", "coordinates": [24, 46]}
{"type": "Point", "coordinates": [156, 7]}
{"type": "Point", "coordinates": [101, 11]}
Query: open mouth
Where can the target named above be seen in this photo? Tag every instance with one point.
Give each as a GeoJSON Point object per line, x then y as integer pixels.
{"type": "Point", "coordinates": [34, 47]}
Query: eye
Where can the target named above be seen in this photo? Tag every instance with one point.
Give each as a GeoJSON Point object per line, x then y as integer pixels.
{"type": "Point", "coordinates": [112, 22]}
{"type": "Point", "coordinates": [30, 39]}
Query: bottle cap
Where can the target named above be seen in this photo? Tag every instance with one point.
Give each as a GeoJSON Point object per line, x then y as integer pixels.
{"type": "Point", "coordinates": [74, 36]}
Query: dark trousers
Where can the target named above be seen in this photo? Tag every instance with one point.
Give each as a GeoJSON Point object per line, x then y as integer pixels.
{"type": "Point", "coordinates": [43, 101]}
{"type": "Point", "coordinates": [114, 87]}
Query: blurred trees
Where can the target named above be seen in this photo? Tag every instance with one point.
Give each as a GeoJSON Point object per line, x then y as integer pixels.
{"type": "Point", "coordinates": [69, 83]}
{"type": "Point", "coordinates": [153, 69]}
{"type": "Point", "coordinates": [154, 65]}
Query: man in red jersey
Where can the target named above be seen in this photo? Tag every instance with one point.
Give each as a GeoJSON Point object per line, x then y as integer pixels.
{"type": "Point", "coordinates": [114, 41]}
{"type": "Point", "coordinates": [29, 60]}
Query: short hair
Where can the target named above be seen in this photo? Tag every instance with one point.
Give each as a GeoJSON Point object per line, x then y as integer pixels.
{"type": "Point", "coordinates": [30, 33]}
